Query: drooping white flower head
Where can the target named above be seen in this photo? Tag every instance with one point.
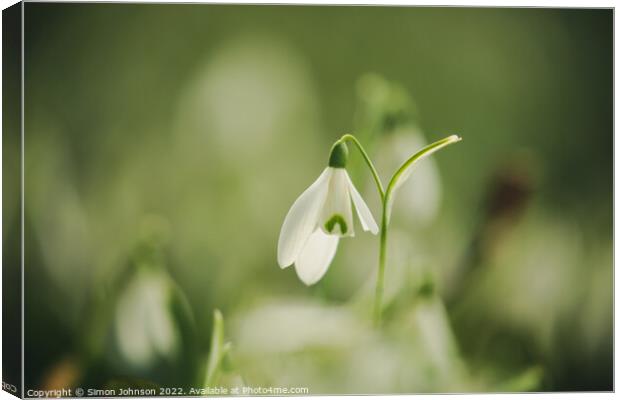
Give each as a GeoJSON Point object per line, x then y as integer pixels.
{"type": "Point", "coordinates": [319, 218]}
{"type": "Point", "coordinates": [144, 324]}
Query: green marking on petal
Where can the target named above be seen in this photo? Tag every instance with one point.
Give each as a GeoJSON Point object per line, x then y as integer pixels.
{"type": "Point", "coordinates": [336, 219]}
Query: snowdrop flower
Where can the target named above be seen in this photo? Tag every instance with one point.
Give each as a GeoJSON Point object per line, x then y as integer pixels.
{"type": "Point", "coordinates": [320, 217]}
{"type": "Point", "coordinates": [145, 327]}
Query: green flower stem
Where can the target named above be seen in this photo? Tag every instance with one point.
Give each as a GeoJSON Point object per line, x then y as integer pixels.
{"type": "Point", "coordinates": [381, 270]}
{"type": "Point", "coordinates": [383, 228]}
{"type": "Point", "coordinates": [385, 204]}
{"type": "Point", "coordinates": [373, 170]}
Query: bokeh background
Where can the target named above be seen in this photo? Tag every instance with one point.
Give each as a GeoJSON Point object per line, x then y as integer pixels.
{"type": "Point", "coordinates": [165, 144]}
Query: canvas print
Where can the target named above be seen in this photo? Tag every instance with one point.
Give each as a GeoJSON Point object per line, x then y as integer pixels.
{"type": "Point", "coordinates": [292, 200]}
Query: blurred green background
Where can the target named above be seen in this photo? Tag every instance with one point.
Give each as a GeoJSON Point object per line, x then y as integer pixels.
{"type": "Point", "coordinates": [165, 144]}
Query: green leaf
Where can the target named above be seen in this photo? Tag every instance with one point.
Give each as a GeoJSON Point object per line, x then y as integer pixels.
{"type": "Point", "coordinates": [218, 350]}
{"type": "Point", "coordinates": [403, 173]}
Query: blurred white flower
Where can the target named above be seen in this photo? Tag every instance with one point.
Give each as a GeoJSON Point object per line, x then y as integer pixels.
{"type": "Point", "coordinates": [250, 92]}
{"type": "Point", "coordinates": [145, 328]}
{"type": "Point", "coordinates": [279, 341]}
{"type": "Point", "coordinates": [420, 200]}
{"type": "Point", "coordinates": [288, 325]}
{"type": "Point", "coordinates": [319, 218]}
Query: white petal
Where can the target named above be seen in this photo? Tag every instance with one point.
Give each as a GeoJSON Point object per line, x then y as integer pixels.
{"type": "Point", "coordinates": [337, 207]}
{"type": "Point", "coordinates": [302, 219]}
{"type": "Point", "coordinates": [315, 257]}
{"type": "Point", "coordinates": [363, 212]}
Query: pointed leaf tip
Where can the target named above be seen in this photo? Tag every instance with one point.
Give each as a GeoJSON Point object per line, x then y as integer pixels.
{"type": "Point", "coordinates": [405, 169]}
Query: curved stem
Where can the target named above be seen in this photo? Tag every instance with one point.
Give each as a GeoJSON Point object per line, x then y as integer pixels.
{"type": "Point", "coordinates": [383, 231]}
{"type": "Point", "coordinates": [385, 198]}
{"type": "Point", "coordinates": [431, 148]}
{"type": "Point", "coordinates": [373, 170]}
